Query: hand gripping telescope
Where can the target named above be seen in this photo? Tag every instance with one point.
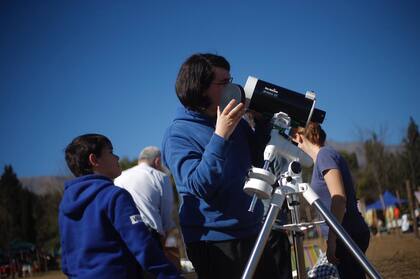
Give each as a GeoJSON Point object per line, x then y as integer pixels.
{"type": "Point", "coordinates": [267, 98]}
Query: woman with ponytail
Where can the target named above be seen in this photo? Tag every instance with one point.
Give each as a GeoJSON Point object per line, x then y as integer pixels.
{"type": "Point", "coordinates": [332, 181]}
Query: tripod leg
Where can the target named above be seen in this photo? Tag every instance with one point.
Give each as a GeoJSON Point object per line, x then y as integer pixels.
{"type": "Point", "coordinates": [332, 222]}
{"type": "Point", "coordinates": [297, 240]}
{"type": "Point", "coordinates": [347, 240]}
{"type": "Point", "coordinates": [299, 255]}
{"type": "Point", "coordinates": [258, 249]}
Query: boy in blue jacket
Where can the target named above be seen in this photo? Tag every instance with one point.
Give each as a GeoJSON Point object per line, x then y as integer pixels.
{"type": "Point", "coordinates": [102, 234]}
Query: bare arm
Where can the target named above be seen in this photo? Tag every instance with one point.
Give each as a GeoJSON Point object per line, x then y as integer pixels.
{"type": "Point", "coordinates": [338, 204]}
{"type": "Point", "coordinates": [338, 195]}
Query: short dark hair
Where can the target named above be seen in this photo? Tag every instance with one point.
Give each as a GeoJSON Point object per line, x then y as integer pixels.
{"type": "Point", "coordinates": [78, 151]}
{"type": "Point", "coordinates": [195, 77]}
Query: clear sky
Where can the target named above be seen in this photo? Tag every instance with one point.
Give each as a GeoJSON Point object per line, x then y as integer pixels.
{"type": "Point", "coordinates": [73, 67]}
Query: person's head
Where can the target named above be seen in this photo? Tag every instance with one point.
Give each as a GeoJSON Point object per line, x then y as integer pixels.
{"type": "Point", "coordinates": [151, 155]}
{"type": "Point", "coordinates": [313, 134]}
{"type": "Point", "coordinates": [201, 80]}
{"type": "Point", "coordinates": [92, 153]}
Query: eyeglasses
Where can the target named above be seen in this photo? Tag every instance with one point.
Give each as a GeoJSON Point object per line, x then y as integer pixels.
{"type": "Point", "coordinates": [224, 82]}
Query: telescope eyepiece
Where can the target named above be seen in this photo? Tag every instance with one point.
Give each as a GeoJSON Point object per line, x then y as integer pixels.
{"type": "Point", "coordinates": [295, 167]}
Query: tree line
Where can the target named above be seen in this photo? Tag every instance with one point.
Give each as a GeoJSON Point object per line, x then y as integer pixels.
{"type": "Point", "coordinates": [27, 217]}
{"type": "Point", "coordinates": [388, 169]}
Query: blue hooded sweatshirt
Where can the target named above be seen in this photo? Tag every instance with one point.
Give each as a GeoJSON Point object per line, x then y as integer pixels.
{"type": "Point", "coordinates": [210, 174]}
{"type": "Point", "coordinates": [102, 235]}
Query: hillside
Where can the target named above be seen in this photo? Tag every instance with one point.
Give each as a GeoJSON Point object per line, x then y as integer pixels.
{"type": "Point", "coordinates": [357, 148]}
{"type": "Point", "coordinates": [42, 185]}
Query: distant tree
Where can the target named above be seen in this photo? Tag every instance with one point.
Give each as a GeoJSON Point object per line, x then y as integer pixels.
{"type": "Point", "coordinates": [27, 219]}
{"type": "Point", "coordinates": [351, 160]}
{"type": "Point", "coordinates": [127, 163]}
{"type": "Point", "coordinates": [375, 177]}
{"type": "Point", "coordinates": [396, 172]}
{"type": "Point", "coordinates": [11, 189]}
{"type": "Point", "coordinates": [387, 170]}
{"type": "Point", "coordinates": [411, 153]}
{"type": "Point", "coordinates": [365, 186]}
{"type": "Point", "coordinates": [17, 210]}
{"type": "Point", "coordinates": [46, 212]}
{"type": "Point", "coordinates": [6, 225]}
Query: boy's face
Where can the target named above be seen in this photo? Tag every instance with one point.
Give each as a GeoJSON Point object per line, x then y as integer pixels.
{"type": "Point", "coordinates": [107, 163]}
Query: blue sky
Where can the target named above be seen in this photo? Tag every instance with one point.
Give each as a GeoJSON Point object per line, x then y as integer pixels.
{"type": "Point", "coordinates": [73, 67]}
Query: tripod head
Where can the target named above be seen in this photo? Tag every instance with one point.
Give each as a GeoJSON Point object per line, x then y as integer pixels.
{"type": "Point", "coordinates": [281, 145]}
{"type": "Point", "coordinates": [290, 180]}
{"type": "Point", "coordinates": [260, 181]}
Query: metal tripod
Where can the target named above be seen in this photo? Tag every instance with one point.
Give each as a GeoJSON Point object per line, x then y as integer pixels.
{"type": "Point", "coordinates": [291, 188]}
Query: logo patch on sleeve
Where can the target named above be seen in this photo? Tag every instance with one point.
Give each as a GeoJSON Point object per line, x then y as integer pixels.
{"type": "Point", "coordinates": [135, 219]}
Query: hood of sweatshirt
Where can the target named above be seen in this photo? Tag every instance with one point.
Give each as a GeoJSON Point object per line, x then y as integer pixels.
{"type": "Point", "coordinates": [80, 192]}
{"type": "Point", "coordinates": [183, 113]}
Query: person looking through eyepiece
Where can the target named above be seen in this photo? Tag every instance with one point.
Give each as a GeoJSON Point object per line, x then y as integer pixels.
{"type": "Point", "coordinates": [209, 152]}
{"type": "Point", "coordinates": [332, 181]}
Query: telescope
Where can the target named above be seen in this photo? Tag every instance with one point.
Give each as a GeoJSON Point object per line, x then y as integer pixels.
{"type": "Point", "coordinates": [268, 99]}
{"type": "Point", "coordinates": [287, 109]}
